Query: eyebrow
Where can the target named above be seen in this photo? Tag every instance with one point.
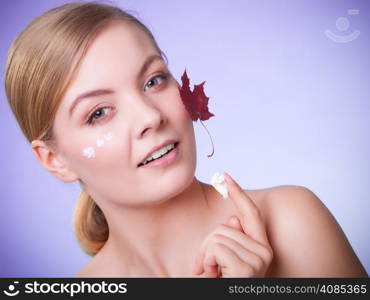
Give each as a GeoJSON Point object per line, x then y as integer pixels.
{"type": "Point", "coordinates": [99, 92]}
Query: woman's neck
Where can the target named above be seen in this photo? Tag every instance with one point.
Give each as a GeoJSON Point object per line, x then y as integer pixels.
{"type": "Point", "coordinates": [163, 239]}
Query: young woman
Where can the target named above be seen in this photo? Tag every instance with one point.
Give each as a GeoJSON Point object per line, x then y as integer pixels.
{"type": "Point", "coordinates": [92, 93]}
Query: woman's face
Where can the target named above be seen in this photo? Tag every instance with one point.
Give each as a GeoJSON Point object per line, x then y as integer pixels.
{"type": "Point", "coordinates": [103, 137]}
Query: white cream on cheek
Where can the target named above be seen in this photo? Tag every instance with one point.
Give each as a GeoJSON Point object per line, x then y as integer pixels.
{"type": "Point", "coordinates": [89, 152]}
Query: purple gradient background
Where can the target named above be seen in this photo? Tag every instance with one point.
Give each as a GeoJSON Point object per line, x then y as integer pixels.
{"type": "Point", "coordinates": [291, 106]}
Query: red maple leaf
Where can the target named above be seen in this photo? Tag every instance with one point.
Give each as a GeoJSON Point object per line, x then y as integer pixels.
{"type": "Point", "coordinates": [196, 102]}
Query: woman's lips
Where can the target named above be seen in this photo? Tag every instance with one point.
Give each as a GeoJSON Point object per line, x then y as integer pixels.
{"type": "Point", "coordinates": [165, 160]}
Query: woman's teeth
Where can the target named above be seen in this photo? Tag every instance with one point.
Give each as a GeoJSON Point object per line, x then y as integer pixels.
{"type": "Point", "coordinates": [159, 153]}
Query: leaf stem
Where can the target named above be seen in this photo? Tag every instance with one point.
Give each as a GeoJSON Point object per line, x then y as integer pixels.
{"type": "Point", "coordinates": [213, 148]}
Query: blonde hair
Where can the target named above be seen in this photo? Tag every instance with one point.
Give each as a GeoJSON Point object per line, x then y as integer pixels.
{"type": "Point", "coordinates": [42, 62]}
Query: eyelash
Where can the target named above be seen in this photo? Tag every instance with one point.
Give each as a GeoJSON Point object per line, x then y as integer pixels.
{"type": "Point", "coordinates": [90, 121]}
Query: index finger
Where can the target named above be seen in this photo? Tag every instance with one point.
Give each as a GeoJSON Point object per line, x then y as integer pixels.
{"type": "Point", "coordinates": [251, 220]}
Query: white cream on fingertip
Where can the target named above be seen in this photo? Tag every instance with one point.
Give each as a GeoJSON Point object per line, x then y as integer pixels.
{"type": "Point", "coordinates": [219, 183]}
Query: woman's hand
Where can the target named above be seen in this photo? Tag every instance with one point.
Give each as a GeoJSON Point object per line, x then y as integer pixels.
{"type": "Point", "coordinates": [239, 248]}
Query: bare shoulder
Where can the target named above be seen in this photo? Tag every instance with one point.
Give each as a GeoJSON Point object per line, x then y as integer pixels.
{"type": "Point", "coordinates": [278, 201]}
{"type": "Point", "coordinates": [306, 238]}
{"type": "Point", "coordinates": [82, 274]}
{"type": "Point", "coordinates": [101, 265]}
{"type": "Point", "coordinates": [88, 270]}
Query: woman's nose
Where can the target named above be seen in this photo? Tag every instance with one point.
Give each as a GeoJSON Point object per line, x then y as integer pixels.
{"type": "Point", "coordinates": [148, 117]}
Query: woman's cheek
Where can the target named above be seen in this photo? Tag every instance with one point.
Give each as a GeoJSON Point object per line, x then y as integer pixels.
{"type": "Point", "coordinates": [96, 148]}
{"type": "Point", "coordinates": [181, 111]}
{"type": "Point", "coordinates": [106, 151]}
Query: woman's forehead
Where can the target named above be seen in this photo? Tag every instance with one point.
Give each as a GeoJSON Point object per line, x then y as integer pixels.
{"type": "Point", "coordinates": [121, 40]}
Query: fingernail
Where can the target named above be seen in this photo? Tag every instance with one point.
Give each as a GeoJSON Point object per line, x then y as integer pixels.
{"type": "Point", "coordinates": [228, 178]}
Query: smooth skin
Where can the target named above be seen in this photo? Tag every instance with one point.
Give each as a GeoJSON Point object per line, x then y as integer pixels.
{"type": "Point", "coordinates": [283, 231]}
{"type": "Point", "coordinates": [160, 219]}
{"type": "Point", "coordinates": [240, 248]}
{"type": "Point", "coordinates": [289, 233]}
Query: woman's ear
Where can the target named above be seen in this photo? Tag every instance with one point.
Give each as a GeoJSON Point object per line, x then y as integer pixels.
{"type": "Point", "coordinates": [52, 162]}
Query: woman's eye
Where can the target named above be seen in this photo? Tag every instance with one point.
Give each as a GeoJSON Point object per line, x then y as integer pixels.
{"type": "Point", "coordinates": [153, 80]}
{"type": "Point", "coordinates": [100, 113]}
{"type": "Point", "coordinates": [97, 114]}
